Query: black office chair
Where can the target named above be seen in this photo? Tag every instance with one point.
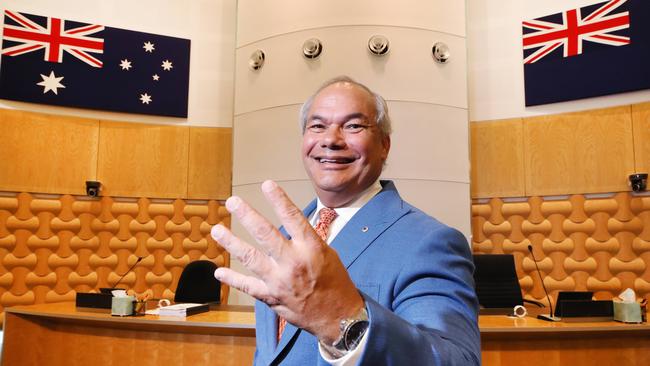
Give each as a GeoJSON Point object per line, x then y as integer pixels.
{"type": "Point", "coordinates": [197, 284]}
{"type": "Point", "coordinates": [497, 286]}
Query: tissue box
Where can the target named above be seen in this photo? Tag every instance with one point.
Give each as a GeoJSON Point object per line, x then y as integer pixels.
{"type": "Point", "coordinates": [627, 312]}
{"type": "Point", "coordinates": [122, 306]}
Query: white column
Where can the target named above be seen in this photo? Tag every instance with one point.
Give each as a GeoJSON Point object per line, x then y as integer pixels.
{"type": "Point", "coordinates": [429, 158]}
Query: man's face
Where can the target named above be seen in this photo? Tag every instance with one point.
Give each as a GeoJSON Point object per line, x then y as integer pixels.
{"type": "Point", "coordinates": [343, 149]}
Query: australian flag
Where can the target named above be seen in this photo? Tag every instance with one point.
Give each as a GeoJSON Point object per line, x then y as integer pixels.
{"type": "Point", "coordinates": [54, 61]}
{"type": "Point", "coordinates": [595, 50]}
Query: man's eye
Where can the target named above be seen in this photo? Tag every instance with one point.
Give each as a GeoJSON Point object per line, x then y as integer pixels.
{"type": "Point", "coordinates": [354, 127]}
{"type": "Point", "coordinates": [316, 127]}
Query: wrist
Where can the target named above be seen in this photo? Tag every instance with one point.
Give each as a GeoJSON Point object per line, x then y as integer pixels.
{"type": "Point", "coordinates": [350, 332]}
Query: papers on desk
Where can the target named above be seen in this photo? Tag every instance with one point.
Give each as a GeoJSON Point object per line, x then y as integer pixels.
{"type": "Point", "coordinates": [181, 310]}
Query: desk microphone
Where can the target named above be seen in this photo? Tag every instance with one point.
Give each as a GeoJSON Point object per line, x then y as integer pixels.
{"type": "Point", "coordinates": [549, 317]}
{"type": "Point", "coordinates": [109, 289]}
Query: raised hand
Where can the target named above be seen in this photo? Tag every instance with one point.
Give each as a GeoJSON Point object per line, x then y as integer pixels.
{"type": "Point", "coordinates": [302, 279]}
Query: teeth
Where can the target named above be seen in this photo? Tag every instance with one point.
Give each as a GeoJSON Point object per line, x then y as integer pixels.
{"type": "Point", "coordinates": [335, 161]}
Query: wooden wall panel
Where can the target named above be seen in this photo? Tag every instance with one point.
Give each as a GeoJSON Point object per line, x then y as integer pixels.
{"type": "Point", "coordinates": [583, 152]}
{"type": "Point", "coordinates": [497, 158]}
{"type": "Point", "coordinates": [641, 126]}
{"type": "Point", "coordinates": [599, 244]}
{"type": "Point", "coordinates": [210, 163]}
{"type": "Point", "coordinates": [53, 247]}
{"type": "Point", "coordinates": [45, 153]}
{"type": "Point", "coordinates": [143, 160]}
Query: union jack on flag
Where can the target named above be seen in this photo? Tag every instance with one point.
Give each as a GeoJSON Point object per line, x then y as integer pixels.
{"type": "Point", "coordinates": [68, 63]}
{"type": "Point", "coordinates": [54, 38]}
{"type": "Point", "coordinates": [598, 49]}
{"type": "Point", "coordinates": [571, 29]}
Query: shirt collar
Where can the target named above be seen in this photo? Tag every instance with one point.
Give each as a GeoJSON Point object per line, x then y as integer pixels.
{"type": "Point", "coordinates": [346, 212]}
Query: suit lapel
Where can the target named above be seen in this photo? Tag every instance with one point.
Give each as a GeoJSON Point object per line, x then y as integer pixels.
{"type": "Point", "coordinates": [364, 227]}
{"type": "Point", "coordinates": [367, 224]}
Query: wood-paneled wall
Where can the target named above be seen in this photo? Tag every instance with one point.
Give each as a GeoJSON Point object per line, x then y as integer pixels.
{"type": "Point", "coordinates": [55, 154]}
{"type": "Point", "coordinates": [595, 242]}
{"type": "Point", "coordinates": [582, 152]}
{"type": "Point", "coordinates": [46, 153]}
{"type": "Point", "coordinates": [53, 246]}
{"type": "Point", "coordinates": [641, 127]}
{"type": "Point", "coordinates": [585, 152]}
{"type": "Point", "coordinates": [163, 189]}
{"type": "Point", "coordinates": [497, 158]}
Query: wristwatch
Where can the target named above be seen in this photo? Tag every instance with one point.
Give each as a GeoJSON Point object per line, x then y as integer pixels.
{"type": "Point", "coordinates": [352, 331]}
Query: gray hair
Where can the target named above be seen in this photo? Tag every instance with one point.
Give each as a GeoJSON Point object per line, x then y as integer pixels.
{"type": "Point", "coordinates": [382, 119]}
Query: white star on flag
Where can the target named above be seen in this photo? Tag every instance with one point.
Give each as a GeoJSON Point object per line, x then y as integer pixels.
{"type": "Point", "coordinates": [167, 65]}
{"type": "Point", "coordinates": [51, 83]}
{"type": "Point", "coordinates": [155, 77]}
{"type": "Point", "coordinates": [148, 47]}
{"type": "Point", "coordinates": [125, 64]}
{"type": "Point", "coordinates": [145, 98]}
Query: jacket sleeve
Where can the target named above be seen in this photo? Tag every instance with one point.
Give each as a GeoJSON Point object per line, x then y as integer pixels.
{"type": "Point", "coordinates": [433, 315]}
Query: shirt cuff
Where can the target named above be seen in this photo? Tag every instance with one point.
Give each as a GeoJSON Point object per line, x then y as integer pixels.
{"type": "Point", "coordinates": [350, 358]}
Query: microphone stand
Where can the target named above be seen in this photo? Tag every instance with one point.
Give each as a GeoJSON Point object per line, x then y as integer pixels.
{"type": "Point", "coordinates": [109, 289]}
{"type": "Point", "coordinates": [550, 317]}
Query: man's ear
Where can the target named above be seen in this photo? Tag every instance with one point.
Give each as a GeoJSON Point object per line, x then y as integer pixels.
{"type": "Point", "coordinates": [385, 142]}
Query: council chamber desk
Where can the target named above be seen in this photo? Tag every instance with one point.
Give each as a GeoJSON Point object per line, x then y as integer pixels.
{"type": "Point", "coordinates": [59, 334]}
{"type": "Point", "coordinates": [532, 342]}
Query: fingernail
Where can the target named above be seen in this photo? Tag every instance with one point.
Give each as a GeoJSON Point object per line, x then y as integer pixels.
{"type": "Point", "coordinates": [269, 185]}
{"type": "Point", "coordinates": [217, 274]}
{"type": "Point", "coordinates": [232, 203]}
{"type": "Point", "coordinates": [217, 232]}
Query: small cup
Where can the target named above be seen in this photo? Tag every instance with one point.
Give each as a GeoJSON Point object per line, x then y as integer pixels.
{"type": "Point", "coordinates": [139, 308]}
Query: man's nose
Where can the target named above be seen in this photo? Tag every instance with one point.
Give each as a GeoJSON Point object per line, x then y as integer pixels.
{"type": "Point", "coordinates": [333, 137]}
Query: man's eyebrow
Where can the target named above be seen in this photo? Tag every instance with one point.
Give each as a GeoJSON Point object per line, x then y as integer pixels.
{"type": "Point", "coordinates": [359, 115]}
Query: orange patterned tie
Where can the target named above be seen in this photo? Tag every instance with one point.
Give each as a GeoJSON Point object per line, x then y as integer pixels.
{"type": "Point", "coordinates": [325, 218]}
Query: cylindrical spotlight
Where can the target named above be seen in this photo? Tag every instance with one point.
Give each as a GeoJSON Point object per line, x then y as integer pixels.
{"type": "Point", "coordinates": [256, 61]}
{"type": "Point", "coordinates": [378, 45]}
{"type": "Point", "coordinates": [440, 52]}
{"type": "Point", "coordinates": [312, 48]}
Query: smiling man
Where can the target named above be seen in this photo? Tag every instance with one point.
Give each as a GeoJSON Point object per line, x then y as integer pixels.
{"type": "Point", "coordinates": [359, 276]}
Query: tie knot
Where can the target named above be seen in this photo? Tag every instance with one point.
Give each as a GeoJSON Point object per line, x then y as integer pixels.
{"type": "Point", "coordinates": [326, 215]}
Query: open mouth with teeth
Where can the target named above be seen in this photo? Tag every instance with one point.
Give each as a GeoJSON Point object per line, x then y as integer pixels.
{"type": "Point", "coordinates": [338, 160]}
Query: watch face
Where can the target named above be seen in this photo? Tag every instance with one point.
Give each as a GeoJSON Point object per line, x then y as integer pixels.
{"type": "Point", "coordinates": [355, 333]}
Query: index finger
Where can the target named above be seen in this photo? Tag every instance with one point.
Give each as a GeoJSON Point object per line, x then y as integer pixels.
{"type": "Point", "coordinates": [261, 229]}
{"type": "Point", "coordinates": [289, 214]}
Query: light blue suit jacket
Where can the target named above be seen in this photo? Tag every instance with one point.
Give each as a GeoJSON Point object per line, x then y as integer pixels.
{"type": "Point", "coordinates": [415, 274]}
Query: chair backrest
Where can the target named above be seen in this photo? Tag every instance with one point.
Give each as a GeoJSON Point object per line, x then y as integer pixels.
{"type": "Point", "coordinates": [197, 283]}
{"type": "Point", "coordinates": [496, 281]}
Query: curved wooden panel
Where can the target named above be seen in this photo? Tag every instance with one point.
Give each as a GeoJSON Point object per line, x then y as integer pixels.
{"type": "Point", "coordinates": [641, 126]}
{"type": "Point", "coordinates": [583, 152]}
{"type": "Point", "coordinates": [497, 158]}
{"type": "Point", "coordinates": [141, 160]}
{"type": "Point", "coordinates": [48, 250]}
{"type": "Point", "coordinates": [210, 163]}
{"type": "Point", "coordinates": [581, 243]}
{"type": "Point", "coordinates": [46, 153]}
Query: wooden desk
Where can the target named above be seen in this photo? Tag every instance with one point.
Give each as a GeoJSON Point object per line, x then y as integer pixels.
{"type": "Point", "coordinates": [532, 342]}
{"type": "Point", "coordinates": [58, 334]}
